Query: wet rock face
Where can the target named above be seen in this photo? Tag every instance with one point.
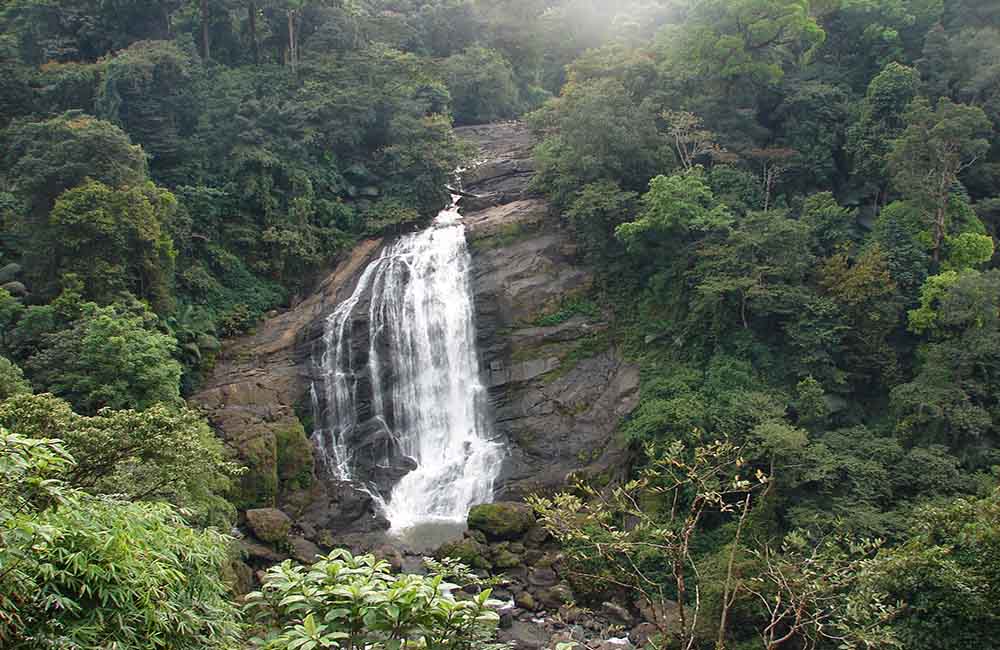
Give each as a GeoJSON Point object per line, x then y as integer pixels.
{"type": "Point", "coordinates": [503, 168]}
{"type": "Point", "coordinates": [559, 386]}
{"type": "Point", "coordinates": [253, 399]}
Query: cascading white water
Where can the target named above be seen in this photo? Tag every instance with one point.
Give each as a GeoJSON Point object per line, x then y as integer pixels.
{"type": "Point", "coordinates": [423, 369]}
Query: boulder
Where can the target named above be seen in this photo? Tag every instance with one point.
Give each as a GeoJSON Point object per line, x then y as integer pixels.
{"type": "Point", "coordinates": [665, 615]}
{"type": "Point", "coordinates": [555, 597]}
{"type": "Point", "coordinates": [525, 636]}
{"type": "Point", "coordinates": [468, 550]}
{"type": "Point", "coordinates": [537, 536]}
{"type": "Point", "coordinates": [389, 554]}
{"type": "Point", "coordinates": [303, 550]}
{"type": "Point", "coordinates": [269, 524]}
{"type": "Point", "coordinates": [525, 600]}
{"type": "Point", "coordinates": [241, 577]}
{"type": "Point", "coordinates": [642, 633]}
{"type": "Point", "coordinates": [9, 272]}
{"type": "Point", "coordinates": [16, 289]}
{"type": "Point", "coordinates": [337, 511]}
{"type": "Point", "coordinates": [617, 614]}
{"type": "Point", "coordinates": [502, 521]}
{"type": "Point", "coordinates": [258, 554]}
{"type": "Point", "coordinates": [542, 577]}
{"type": "Point", "coordinates": [505, 558]}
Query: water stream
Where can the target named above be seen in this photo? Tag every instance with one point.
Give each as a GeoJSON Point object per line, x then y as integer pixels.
{"type": "Point", "coordinates": [414, 393]}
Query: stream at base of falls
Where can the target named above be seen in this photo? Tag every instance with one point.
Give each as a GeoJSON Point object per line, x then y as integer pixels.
{"type": "Point", "coordinates": [399, 393]}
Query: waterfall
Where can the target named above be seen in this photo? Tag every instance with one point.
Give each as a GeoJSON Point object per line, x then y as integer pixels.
{"type": "Point", "coordinates": [407, 413]}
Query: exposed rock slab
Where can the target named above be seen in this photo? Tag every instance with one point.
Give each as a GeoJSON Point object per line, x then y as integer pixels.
{"type": "Point", "coordinates": [559, 391]}
{"type": "Point", "coordinates": [504, 166]}
{"type": "Point", "coordinates": [259, 380]}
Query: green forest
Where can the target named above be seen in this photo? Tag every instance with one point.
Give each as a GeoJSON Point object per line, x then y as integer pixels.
{"type": "Point", "coordinates": [790, 208]}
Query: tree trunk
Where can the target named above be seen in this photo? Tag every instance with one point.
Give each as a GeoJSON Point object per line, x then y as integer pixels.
{"type": "Point", "coordinates": [205, 45]}
{"type": "Point", "coordinates": [292, 46]}
{"type": "Point", "coordinates": [681, 592]}
{"type": "Point", "coordinates": [940, 217]}
{"type": "Point", "coordinates": [727, 598]}
{"type": "Point", "coordinates": [252, 26]}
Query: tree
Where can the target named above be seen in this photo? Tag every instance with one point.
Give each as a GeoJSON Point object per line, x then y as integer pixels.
{"type": "Point", "coordinates": [745, 41]}
{"type": "Point", "coordinates": [869, 140]}
{"type": "Point", "coordinates": [899, 234]}
{"type": "Point", "coordinates": [932, 152]}
{"type": "Point", "coordinates": [356, 602]}
{"type": "Point", "coordinates": [832, 226]}
{"type": "Point", "coordinates": [95, 572]}
{"type": "Point", "coordinates": [864, 36]}
{"type": "Point", "coordinates": [12, 381]}
{"type": "Point", "coordinates": [677, 204]}
{"type": "Point", "coordinates": [813, 594]}
{"type": "Point", "coordinates": [73, 30]}
{"type": "Point", "coordinates": [160, 454]}
{"type": "Point", "coordinates": [108, 357]}
{"type": "Point", "coordinates": [613, 540]}
{"type": "Point", "coordinates": [774, 163]}
{"type": "Point", "coordinates": [149, 91]}
{"type": "Point", "coordinates": [595, 212]}
{"type": "Point", "coordinates": [481, 82]}
{"type": "Point", "coordinates": [944, 576]}
{"type": "Point", "coordinates": [953, 398]}
{"type": "Point", "coordinates": [115, 241]}
{"type": "Point", "coordinates": [41, 160]}
{"type": "Point", "coordinates": [870, 301]}
{"type": "Point", "coordinates": [691, 140]}
{"type": "Point", "coordinates": [757, 269]}
{"type": "Point", "coordinates": [596, 131]}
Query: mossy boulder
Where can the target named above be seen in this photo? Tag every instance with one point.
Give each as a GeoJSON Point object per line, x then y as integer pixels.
{"type": "Point", "coordinates": [257, 450]}
{"type": "Point", "coordinates": [295, 456]}
{"type": "Point", "coordinates": [279, 459]}
{"type": "Point", "coordinates": [468, 550]}
{"type": "Point", "coordinates": [502, 521]}
{"type": "Point", "coordinates": [505, 557]}
{"type": "Point", "coordinates": [269, 525]}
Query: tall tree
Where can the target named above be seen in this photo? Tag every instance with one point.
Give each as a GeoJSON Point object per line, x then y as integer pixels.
{"type": "Point", "coordinates": [930, 155]}
{"type": "Point", "coordinates": [869, 140]}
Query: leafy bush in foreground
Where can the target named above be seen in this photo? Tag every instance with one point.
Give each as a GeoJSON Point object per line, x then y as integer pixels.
{"type": "Point", "coordinates": [90, 573]}
{"type": "Point", "coordinates": [356, 602]}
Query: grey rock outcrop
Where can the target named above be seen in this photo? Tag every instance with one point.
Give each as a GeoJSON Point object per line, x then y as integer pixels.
{"type": "Point", "coordinates": [253, 398]}
{"type": "Point", "coordinates": [559, 390]}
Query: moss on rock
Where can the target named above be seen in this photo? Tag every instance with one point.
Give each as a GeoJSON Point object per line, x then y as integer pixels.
{"type": "Point", "coordinates": [468, 550]}
{"type": "Point", "coordinates": [502, 521]}
{"type": "Point", "coordinates": [259, 484]}
{"type": "Point", "coordinates": [269, 525]}
{"type": "Point", "coordinates": [295, 456]}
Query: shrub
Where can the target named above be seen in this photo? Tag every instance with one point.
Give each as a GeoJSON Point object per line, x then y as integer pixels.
{"type": "Point", "coordinates": [358, 603]}
{"type": "Point", "coordinates": [92, 573]}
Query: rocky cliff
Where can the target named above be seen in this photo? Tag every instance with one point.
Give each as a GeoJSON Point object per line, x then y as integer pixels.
{"type": "Point", "coordinates": [558, 386]}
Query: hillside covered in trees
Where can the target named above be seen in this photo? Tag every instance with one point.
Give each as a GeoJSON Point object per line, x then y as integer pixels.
{"type": "Point", "coordinates": [789, 207]}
